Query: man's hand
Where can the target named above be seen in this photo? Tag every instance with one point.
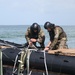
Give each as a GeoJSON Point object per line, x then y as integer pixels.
{"type": "Point", "coordinates": [30, 43]}
{"type": "Point", "coordinates": [46, 49]}
{"type": "Point", "coordinates": [33, 40]}
{"type": "Point", "coordinates": [48, 46]}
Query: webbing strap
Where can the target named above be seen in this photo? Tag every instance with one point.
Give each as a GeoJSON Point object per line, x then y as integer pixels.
{"type": "Point", "coordinates": [1, 68]}
{"type": "Point", "coordinates": [21, 62]}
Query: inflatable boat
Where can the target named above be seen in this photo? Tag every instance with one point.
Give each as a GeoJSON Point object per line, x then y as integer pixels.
{"type": "Point", "coordinates": [52, 62]}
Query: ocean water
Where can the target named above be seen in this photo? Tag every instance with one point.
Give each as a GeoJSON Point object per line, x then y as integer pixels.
{"type": "Point", "coordinates": [16, 33]}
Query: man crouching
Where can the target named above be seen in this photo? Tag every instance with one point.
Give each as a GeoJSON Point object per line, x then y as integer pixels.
{"type": "Point", "coordinates": [35, 34]}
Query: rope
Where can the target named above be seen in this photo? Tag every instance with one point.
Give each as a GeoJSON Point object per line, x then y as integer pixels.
{"type": "Point", "coordinates": [25, 55]}
{"type": "Point", "coordinates": [27, 61]}
{"type": "Point", "coordinates": [14, 70]}
{"type": "Point", "coordinates": [45, 63]}
{"type": "Point", "coordinates": [1, 66]}
{"type": "Point", "coordinates": [21, 64]}
{"type": "Point", "coordinates": [28, 55]}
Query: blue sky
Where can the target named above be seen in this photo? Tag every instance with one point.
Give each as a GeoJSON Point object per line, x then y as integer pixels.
{"type": "Point", "coordinates": [25, 12]}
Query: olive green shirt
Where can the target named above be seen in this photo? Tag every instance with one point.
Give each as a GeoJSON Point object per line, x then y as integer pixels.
{"type": "Point", "coordinates": [29, 34]}
{"type": "Point", "coordinates": [59, 34]}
